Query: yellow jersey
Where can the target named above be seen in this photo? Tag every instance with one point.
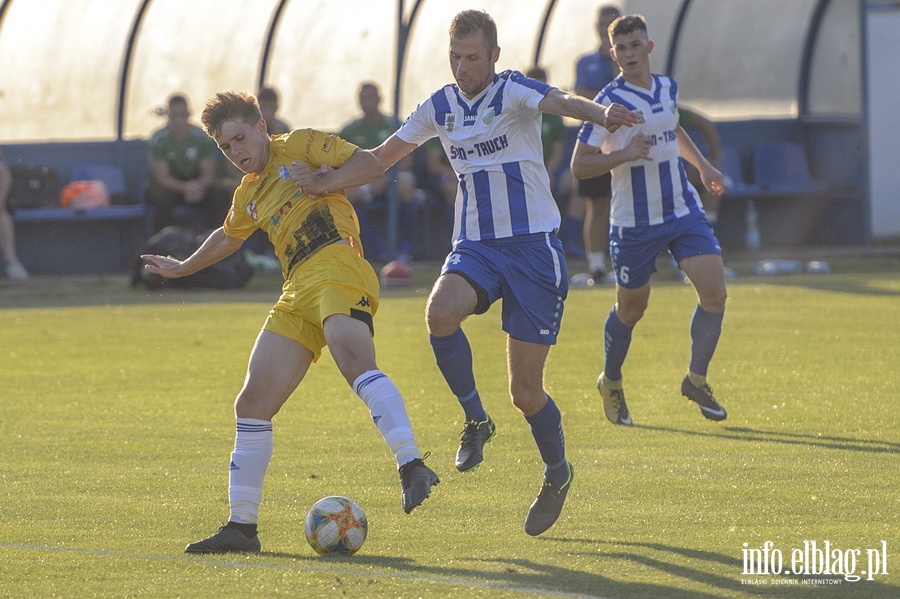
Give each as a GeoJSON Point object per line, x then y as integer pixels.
{"type": "Point", "coordinates": [297, 225]}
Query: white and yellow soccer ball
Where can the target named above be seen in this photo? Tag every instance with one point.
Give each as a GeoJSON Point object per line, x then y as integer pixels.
{"type": "Point", "coordinates": [336, 525]}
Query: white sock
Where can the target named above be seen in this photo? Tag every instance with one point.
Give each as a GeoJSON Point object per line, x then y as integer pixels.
{"type": "Point", "coordinates": [252, 452]}
{"type": "Point", "coordinates": [385, 405]}
{"type": "Point", "coordinates": [597, 261]}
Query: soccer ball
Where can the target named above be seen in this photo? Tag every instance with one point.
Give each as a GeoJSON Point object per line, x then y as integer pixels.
{"type": "Point", "coordinates": [336, 525]}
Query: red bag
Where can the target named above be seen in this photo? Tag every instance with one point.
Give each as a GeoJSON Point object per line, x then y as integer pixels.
{"type": "Point", "coordinates": [84, 195]}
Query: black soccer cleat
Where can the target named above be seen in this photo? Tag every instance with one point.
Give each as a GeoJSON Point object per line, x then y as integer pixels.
{"type": "Point", "coordinates": [549, 503]}
{"type": "Point", "coordinates": [416, 479]}
{"type": "Point", "coordinates": [703, 397]}
{"type": "Point", "coordinates": [227, 540]}
{"type": "Point", "coordinates": [471, 447]}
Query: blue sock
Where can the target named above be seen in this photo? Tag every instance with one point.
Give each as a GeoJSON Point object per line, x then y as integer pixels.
{"type": "Point", "coordinates": [546, 428]}
{"type": "Point", "coordinates": [616, 341]}
{"type": "Point", "coordinates": [706, 327]}
{"type": "Point", "coordinates": [454, 358]}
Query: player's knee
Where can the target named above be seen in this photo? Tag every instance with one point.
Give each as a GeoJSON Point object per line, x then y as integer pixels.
{"type": "Point", "coordinates": [441, 322]}
{"type": "Point", "coordinates": [351, 367]}
{"type": "Point", "coordinates": [441, 317]}
{"type": "Point", "coordinates": [527, 398]}
{"type": "Point", "coordinates": [254, 405]}
{"type": "Point", "coordinates": [631, 312]}
{"type": "Point", "coordinates": [714, 299]}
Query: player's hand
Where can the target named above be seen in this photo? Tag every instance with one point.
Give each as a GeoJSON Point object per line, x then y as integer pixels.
{"type": "Point", "coordinates": [638, 148]}
{"type": "Point", "coordinates": [164, 266]}
{"type": "Point", "coordinates": [301, 174]}
{"type": "Point", "coordinates": [323, 170]}
{"type": "Point", "coordinates": [713, 181]}
{"type": "Point", "coordinates": [617, 116]}
{"type": "Point", "coordinates": [310, 182]}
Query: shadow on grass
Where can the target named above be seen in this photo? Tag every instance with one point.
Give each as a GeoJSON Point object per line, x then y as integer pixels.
{"type": "Point", "coordinates": [735, 581]}
{"type": "Point", "coordinates": [722, 574]}
{"type": "Point", "coordinates": [518, 575]}
{"type": "Point", "coordinates": [737, 433]}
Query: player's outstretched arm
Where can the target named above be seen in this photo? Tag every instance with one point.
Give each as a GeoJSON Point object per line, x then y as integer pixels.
{"type": "Point", "coordinates": [392, 150]}
{"type": "Point", "coordinates": [216, 247]}
{"type": "Point", "coordinates": [588, 161]}
{"type": "Point", "coordinates": [564, 104]}
{"type": "Point", "coordinates": [362, 167]}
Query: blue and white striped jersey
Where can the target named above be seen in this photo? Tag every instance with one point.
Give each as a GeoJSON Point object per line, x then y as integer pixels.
{"type": "Point", "coordinates": [493, 143]}
{"type": "Point", "coordinates": [645, 192]}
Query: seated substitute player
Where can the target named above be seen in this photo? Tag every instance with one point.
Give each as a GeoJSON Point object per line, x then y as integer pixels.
{"type": "Point", "coordinates": [505, 243]}
{"type": "Point", "coordinates": [329, 297]}
{"type": "Point", "coordinates": [653, 208]}
{"type": "Point", "coordinates": [367, 131]}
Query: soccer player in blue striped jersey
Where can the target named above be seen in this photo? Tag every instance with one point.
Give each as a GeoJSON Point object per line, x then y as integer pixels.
{"type": "Point", "coordinates": [504, 238]}
{"type": "Point", "coordinates": [654, 208]}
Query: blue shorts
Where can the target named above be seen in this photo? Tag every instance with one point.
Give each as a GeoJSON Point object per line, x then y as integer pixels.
{"type": "Point", "coordinates": [633, 250]}
{"type": "Point", "coordinates": [527, 271]}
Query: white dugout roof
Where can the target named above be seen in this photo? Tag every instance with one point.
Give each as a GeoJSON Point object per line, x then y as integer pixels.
{"type": "Point", "coordinates": [99, 69]}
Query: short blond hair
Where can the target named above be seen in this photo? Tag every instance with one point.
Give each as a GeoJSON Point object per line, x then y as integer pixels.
{"type": "Point", "coordinates": [229, 106]}
{"type": "Point", "coordinates": [469, 22]}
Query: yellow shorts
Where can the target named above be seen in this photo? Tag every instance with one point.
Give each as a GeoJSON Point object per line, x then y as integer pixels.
{"type": "Point", "coordinates": [335, 280]}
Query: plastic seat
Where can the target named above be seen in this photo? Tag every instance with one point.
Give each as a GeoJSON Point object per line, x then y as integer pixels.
{"type": "Point", "coordinates": [782, 167]}
{"type": "Point", "coordinates": [731, 168]}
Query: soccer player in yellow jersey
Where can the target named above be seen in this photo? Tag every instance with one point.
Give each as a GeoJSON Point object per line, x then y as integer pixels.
{"type": "Point", "coordinates": [329, 297]}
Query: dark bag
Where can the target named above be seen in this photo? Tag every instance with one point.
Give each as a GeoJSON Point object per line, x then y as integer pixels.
{"type": "Point", "coordinates": [33, 186]}
{"type": "Point", "coordinates": [231, 273]}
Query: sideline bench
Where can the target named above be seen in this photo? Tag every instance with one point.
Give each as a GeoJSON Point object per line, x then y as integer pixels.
{"type": "Point", "coordinates": [788, 201]}
{"type": "Point", "coordinates": [99, 241]}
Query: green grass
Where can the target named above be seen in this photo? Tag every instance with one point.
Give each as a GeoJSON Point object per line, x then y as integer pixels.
{"type": "Point", "coordinates": [117, 414]}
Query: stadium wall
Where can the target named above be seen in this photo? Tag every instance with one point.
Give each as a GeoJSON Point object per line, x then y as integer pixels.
{"type": "Point", "coordinates": [800, 64]}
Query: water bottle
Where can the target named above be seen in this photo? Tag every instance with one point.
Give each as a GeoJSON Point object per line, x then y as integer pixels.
{"type": "Point", "coordinates": [817, 267]}
{"type": "Point", "coordinates": [752, 240]}
{"type": "Point", "coordinates": [777, 267]}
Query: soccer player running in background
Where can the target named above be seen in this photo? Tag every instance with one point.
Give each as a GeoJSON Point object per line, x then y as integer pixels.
{"type": "Point", "coordinates": [329, 297]}
{"type": "Point", "coordinates": [505, 243]}
{"type": "Point", "coordinates": [592, 72]}
{"type": "Point", "coordinates": [654, 207]}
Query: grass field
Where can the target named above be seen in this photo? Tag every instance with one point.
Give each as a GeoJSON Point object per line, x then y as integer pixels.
{"type": "Point", "coordinates": [117, 427]}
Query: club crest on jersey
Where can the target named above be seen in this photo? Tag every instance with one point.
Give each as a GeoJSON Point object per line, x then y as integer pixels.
{"type": "Point", "coordinates": [449, 122]}
{"type": "Point", "coordinates": [489, 116]}
{"type": "Point", "coordinates": [251, 210]}
{"type": "Point", "coordinates": [640, 113]}
{"type": "Point", "coordinates": [283, 172]}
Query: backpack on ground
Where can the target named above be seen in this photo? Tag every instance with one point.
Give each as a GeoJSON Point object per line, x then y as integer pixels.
{"type": "Point", "coordinates": [232, 272]}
